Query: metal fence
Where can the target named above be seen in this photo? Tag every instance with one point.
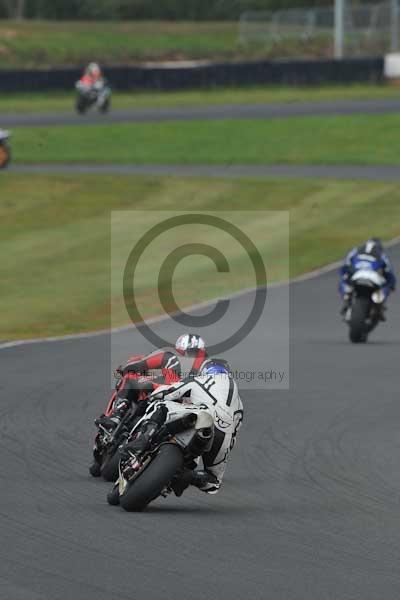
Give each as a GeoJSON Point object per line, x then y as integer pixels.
{"type": "Point", "coordinates": [309, 32]}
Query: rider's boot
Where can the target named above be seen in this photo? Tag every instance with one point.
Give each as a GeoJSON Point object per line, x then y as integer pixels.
{"type": "Point", "coordinates": [112, 421]}
{"type": "Point", "coordinates": [200, 479]}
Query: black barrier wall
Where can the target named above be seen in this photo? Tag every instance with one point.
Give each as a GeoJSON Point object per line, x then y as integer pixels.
{"type": "Point", "coordinates": [302, 72]}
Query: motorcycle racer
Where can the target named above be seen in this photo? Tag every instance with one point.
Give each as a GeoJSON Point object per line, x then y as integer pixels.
{"type": "Point", "coordinates": [371, 254]}
{"type": "Point", "coordinates": [172, 363]}
{"type": "Point", "coordinates": [93, 89]}
{"type": "Point", "coordinates": [213, 389]}
{"type": "Point", "coordinates": [93, 76]}
{"type": "Point", "coordinates": [142, 375]}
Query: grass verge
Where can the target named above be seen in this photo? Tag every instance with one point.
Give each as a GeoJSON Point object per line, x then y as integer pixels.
{"type": "Point", "coordinates": [55, 233]}
{"type": "Point", "coordinates": [62, 43]}
{"type": "Point", "coordinates": [360, 139]}
{"type": "Point", "coordinates": [38, 43]}
{"type": "Point", "coordinates": [54, 102]}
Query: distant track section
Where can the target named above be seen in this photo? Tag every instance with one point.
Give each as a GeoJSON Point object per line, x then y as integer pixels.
{"type": "Point", "coordinates": [209, 112]}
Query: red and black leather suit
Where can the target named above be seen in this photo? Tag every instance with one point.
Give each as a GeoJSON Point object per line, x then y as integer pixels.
{"type": "Point", "coordinates": [142, 375]}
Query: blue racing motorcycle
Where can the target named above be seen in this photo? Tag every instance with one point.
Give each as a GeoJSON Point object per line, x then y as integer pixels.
{"type": "Point", "coordinates": [366, 298]}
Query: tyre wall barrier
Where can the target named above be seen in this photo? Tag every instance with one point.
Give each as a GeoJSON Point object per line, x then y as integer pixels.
{"type": "Point", "coordinates": [300, 72]}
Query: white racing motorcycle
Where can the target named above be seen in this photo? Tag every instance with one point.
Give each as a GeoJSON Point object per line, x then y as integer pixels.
{"type": "Point", "coordinates": [187, 433]}
{"type": "Point", "coordinates": [98, 95]}
{"type": "Point", "coordinates": [5, 150]}
{"type": "Point", "coordinates": [365, 303]}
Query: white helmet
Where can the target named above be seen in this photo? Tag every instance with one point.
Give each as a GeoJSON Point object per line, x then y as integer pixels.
{"type": "Point", "coordinates": [93, 69]}
{"type": "Point", "coordinates": [189, 344]}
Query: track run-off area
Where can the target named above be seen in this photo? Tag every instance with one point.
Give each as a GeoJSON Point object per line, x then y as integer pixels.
{"type": "Point", "coordinates": [310, 503]}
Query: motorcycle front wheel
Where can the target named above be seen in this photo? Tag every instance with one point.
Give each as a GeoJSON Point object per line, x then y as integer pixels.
{"type": "Point", "coordinates": [155, 477]}
{"type": "Point", "coordinates": [109, 467]}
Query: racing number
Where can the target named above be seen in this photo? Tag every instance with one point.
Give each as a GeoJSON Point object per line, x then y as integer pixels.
{"type": "Point", "coordinates": [207, 385]}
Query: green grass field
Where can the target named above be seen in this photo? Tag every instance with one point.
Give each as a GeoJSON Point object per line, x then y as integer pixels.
{"type": "Point", "coordinates": [55, 233]}
{"type": "Point", "coordinates": [59, 43]}
{"type": "Point", "coordinates": [53, 102]}
{"type": "Point", "coordinates": [360, 139]}
{"type": "Point", "coordinates": [46, 43]}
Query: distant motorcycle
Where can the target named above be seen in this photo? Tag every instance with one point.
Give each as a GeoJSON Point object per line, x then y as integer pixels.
{"type": "Point", "coordinates": [366, 301]}
{"type": "Point", "coordinates": [98, 95]}
{"type": "Point", "coordinates": [5, 149]}
{"type": "Point", "coordinates": [186, 435]}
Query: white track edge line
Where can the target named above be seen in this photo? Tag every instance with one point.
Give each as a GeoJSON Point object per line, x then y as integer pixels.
{"type": "Point", "coordinates": [79, 336]}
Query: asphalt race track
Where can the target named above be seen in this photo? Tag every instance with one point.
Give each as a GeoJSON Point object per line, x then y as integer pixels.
{"type": "Point", "coordinates": [310, 507]}
{"type": "Point", "coordinates": [212, 112]}
{"type": "Point", "coordinates": [361, 172]}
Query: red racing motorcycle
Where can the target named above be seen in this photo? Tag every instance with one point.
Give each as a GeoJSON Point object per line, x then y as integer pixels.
{"type": "Point", "coordinates": [106, 443]}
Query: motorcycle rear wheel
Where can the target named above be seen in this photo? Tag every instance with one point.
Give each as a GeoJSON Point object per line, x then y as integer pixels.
{"type": "Point", "coordinates": [113, 496]}
{"type": "Point", "coordinates": [358, 332]}
{"type": "Point", "coordinates": [155, 477]}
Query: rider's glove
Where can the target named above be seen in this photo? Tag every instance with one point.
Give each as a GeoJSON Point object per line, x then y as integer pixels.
{"type": "Point", "coordinates": [118, 374]}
